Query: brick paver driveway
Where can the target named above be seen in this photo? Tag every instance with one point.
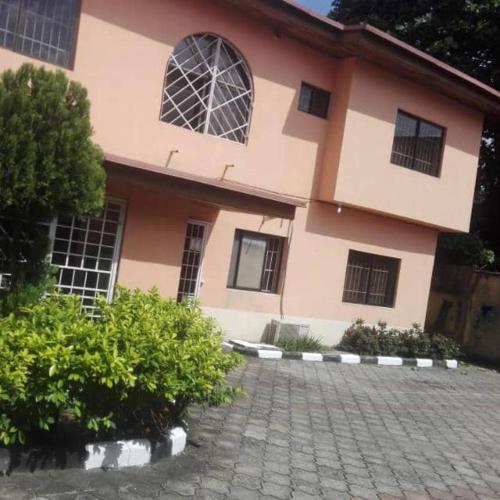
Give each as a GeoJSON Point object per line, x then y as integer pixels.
{"type": "Point", "coordinates": [319, 430]}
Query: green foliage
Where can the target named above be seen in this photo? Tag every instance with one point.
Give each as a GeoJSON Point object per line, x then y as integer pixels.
{"type": "Point", "coordinates": [377, 340]}
{"type": "Point", "coordinates": [49, 165]}
{"type": "Point", "coordinates": [27, 292]}
{"type": "Point", "coordinates": [464, 249]}
{"type": "Point", "coordinates": [302, 343]}
{"type": "Point", "coordinates": [136, 369]}
{"type": "Point", "coordinates": [465, 34]}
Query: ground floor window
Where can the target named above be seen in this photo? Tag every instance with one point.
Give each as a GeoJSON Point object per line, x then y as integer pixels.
{"type": "Point", "coordinates": [371, 279]}
{"type": "Point", "coordinates": [255, 261]}
{"type": "Point", "coordinates": [86, 252]}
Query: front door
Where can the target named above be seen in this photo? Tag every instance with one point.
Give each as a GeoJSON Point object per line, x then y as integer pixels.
{"type": "Point", "coordinates": [192, 257]}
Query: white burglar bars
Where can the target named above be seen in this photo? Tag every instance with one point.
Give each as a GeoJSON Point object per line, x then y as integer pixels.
{"type": "Point", "coordinates": [86, 251]}
{"type": "Point", "coordinates": [208, 88]}
{"type": "Point", "coordinates": [194, 245]}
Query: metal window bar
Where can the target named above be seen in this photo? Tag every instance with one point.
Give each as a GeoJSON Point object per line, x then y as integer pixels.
{"type": "Point", "coordinates": [417, 144]}
{"type": "Point", "coordinates": [224, 100]}
{"type": "Point", "coordinates": [192, 256]}
{"type": "Point", "coordinates": [370, 279]}
{"type": "Point", "coordinates": [271, 265]}
{"type": "Point", "coordinates": [86, 252]}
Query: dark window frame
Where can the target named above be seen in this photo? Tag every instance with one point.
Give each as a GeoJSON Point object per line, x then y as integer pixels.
{"type": "Point", "coordinates": [437, 169]}
{"type": "Point", "coordinates": [309, 110]}
{"type": "Point", "coordinates": [74, 39]}
{"type": "Point", "coordinates": [389, 301]}
{"type": "Point", "coordinates": [232, 278]}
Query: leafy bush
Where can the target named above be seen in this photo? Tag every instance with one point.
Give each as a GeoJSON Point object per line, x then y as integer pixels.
{"type": "Point", "coordinates": [302, 343]}
{"type": "Point", "coordinates": [360, 338]}
{"type": "Point", "coordinates": [137, 368]}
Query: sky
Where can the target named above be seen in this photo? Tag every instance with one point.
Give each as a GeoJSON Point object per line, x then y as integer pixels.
{"type": "Point", "coordinates": [320, 6]}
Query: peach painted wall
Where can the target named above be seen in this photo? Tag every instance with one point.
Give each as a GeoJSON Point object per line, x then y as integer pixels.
{"type": "Point", "coordinates": [121, 57]}
{"type": "Point", "coordinates": [312, 280]}
{"type": "Point", "coordinates": [357, 168]}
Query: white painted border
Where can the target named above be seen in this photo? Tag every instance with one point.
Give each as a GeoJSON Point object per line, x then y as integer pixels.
{"type": "Point", "coordinates": [129, 453]}
{"type": "Point", "coordinates": [268, 354]}
{"type": "Point", "coordinates": [424, 363]}
{"type": "Point", "coordinates": [312, 356]}
{"type": "Point", "coordinates": [389, 361]}
{"type": "Point", "coordinates": [352, 359]}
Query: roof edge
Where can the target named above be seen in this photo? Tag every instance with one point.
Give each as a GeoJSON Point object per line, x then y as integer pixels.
{"type": "Point", "coordinates": [488, 98]}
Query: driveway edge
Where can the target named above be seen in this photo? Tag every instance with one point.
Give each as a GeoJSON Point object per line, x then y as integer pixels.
{"type": "Point", "coordinates": [268, 352]}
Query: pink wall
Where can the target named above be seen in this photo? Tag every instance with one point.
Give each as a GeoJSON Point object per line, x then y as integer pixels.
{"type": "Point", "coordinates": [121, 58]}
{"type": "Point", "coordinates": [319, 243]}
{"type": "Point", "coordinates": [357, 168]}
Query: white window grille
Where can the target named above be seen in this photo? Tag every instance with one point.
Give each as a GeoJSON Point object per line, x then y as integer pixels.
{"type": "Point", "coordinates": [86, 251]}
{"type": "Point", "coordinates": [192, 256]}
{"type": "Point", "coordinates": [208, 88]}
{"type": "Point", "coordinates": [45, 29]}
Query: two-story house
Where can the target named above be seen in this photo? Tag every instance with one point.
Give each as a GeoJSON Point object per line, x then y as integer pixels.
{"type": "Point", "coordinates": [271, 162]}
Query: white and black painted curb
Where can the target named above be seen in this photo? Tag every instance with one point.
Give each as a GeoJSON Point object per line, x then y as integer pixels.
{"type": "Point", "coordinates": [264, 351]}
{"type": "Point", "coordinates": [98, 455]}
{"type": "Point", "coordinates": [133, 452]}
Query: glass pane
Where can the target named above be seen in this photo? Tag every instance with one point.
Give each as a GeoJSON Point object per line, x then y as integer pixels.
{"type": "Point", "coordinates": [305, 98]}
{"type": "Point", "coordinates": [403, 148]}
{"type": "Point", "coordinates": [234, 259]}
{"type": "Point", "coordinates": [428, 150]}
{"type": "Point", "coordinates": [252, 254]}
{"type": "Point", "coordinates": [320, 103]}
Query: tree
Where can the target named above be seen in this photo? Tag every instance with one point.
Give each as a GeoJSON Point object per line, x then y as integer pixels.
{"type": "Point", "coordinates": [49, 165]}
{"type": "Point", "coordinates": [465, 34]}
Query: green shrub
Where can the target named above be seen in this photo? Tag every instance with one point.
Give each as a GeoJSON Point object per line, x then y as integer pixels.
{"type": "Point", "coordinates": [376, 340]}
{"type": "Point", "coordinates": [137, 368]}
{"type": "Point", "coordinates": [302, 343]}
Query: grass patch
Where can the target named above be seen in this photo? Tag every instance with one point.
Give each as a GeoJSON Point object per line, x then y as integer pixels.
{"type": "Point", "coordinates": [302, 343]}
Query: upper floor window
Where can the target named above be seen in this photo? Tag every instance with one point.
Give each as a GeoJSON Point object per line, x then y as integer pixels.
{"type": "Point", "coordinates": [208, 88]}
{"type": "Point", "coordinates": [314, 100]}
{"type": "Point", "coordinates": [43, 29]}
{"type": "Point", "coordinates": [418, 144]}
{"type": "Point", "coordinates": [370, 279]}
{"type": "Point", "coordinates": [255, 261]}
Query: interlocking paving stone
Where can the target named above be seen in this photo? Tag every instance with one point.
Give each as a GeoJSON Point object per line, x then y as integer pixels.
{"type": "Point", "coordinates": [317, 430]}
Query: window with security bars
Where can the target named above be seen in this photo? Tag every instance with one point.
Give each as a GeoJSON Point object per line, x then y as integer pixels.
{"type": "Point", "coordinates": [192, 255]}
{"type": "Point", "coordinates": [314, 100]}
{"type": "Point", "coordinates": [43, 29]}
{"type": "Point", "coordinates": [418, 144]}
{"type": "Point", "coordinates": [371, 279]}
{"type": "Point", "coordinates": [255, 262]}
{"type": "Point", "coordinates": [86, 250]}
{"type": "Point", "coordinates": [208, 88]}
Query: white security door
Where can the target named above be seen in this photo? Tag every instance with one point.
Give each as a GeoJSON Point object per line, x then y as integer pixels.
{"type": "Point", "coordinates": [192, 257]}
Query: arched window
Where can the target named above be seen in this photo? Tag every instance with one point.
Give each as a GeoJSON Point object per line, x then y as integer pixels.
{"type": "Point", "coordinates": [208, 88]}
